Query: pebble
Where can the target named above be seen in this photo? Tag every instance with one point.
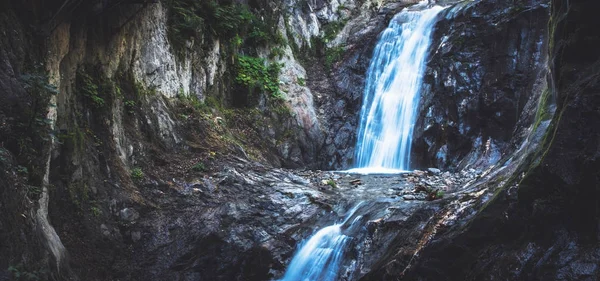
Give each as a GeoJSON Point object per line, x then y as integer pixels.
{"type": "Point", "coordinates": [434, 171]}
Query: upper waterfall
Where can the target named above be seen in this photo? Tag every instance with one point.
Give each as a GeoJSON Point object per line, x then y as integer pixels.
{"type": "Point", "coordinates": [391, 96]}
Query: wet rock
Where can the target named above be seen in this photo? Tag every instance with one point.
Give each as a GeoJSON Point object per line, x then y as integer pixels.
{"type": "Point", "coordinates": [418, 173]}
{"type": "Point", "coordinates": [105, 231]}
{"type": "Point", "coordinates": [473, 101]}
{"type": "Point", "coordinates": [434, 171]}
{"type": "Point", "coordinates": [129, 214]}
{"type": "Point", "coordinates": [136, 236]}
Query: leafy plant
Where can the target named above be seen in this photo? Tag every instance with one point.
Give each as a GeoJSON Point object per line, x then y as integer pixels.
{"type": "Point", "coordinates": [96, 212]}
{"type": "Point", "coordinates": [439, 194]}
{"type": "Point", "coordinates": [253, 73]}
{"type": "Point", "coordinates": [33, 191]}
{"type": "Point", "coordinates": [192, 101]}
{"type": "Point", "coordinates": [276, 52]}
{"type": "Point", "coordinates": [331, 183]}
{"type": "Point", "coordinates": [331, 30]}
{"type": "Point", "coordinates": [137, 174]}
{"type": "Point", "coordinates": [333, 55]}
{"type": "Point", "coordinates": [141, 91]}
{"type": "Point", "coordinates": [4, 155]}
{"type": "Point", "coordinates": [90, 89]}
{"type": "Point", "coordinates": [301, 81]}
{"type": "Point", "coordinates": [130, 106]}
{"type": "Point", "coordinates": [40, 91]}
{"type": "Point", "coordinates": [18, 273]}
{"type": "Point", "coordinates": [22, 170]}
{"type": "Point", "coordinates": [199, 167]}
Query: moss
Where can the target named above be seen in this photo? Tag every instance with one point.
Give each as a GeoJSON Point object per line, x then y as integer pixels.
{"type": "Point", "coordinates": [543, 112]}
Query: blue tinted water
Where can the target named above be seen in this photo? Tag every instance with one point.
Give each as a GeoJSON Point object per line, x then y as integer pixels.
{"type": "Point", "coordinates": [391, 96]}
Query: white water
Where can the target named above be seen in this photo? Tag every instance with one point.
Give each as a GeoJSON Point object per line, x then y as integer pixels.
{"type": "Point", "coordinates": [319, 259]}
{"type": "Point", "coordinates": [392, 91]}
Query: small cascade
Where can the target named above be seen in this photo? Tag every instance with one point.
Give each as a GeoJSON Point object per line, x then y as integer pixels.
{"type": "Point", "coordinates": [321, 256]}
{"type": "Point", "coordinates": [391, 96]}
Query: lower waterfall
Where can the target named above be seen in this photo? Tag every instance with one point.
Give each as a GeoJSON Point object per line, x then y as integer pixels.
{"type": "Point", "coordinates": [320, 257]}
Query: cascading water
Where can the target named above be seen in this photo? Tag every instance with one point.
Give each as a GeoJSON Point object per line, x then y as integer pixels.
{"type": "Point", "coordinates": [387, 117]}
{"type": "Point", "coordinates": [321, 256]}
{"type": "Point", "coordinates": [392, 89]}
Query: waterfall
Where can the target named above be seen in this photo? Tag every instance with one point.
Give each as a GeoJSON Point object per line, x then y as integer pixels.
{"type": "Point", "coordinates": [321, 256]}
{"type": "Point", "coordinates": [391, 96]}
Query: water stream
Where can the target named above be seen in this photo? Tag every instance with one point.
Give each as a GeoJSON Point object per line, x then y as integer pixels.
{"type": "Point", "coordinates": [387, 118]}
{"type": "Point", "coordinates": [320, 257]}
{"type": "Point", "coordinates": [391, 96]}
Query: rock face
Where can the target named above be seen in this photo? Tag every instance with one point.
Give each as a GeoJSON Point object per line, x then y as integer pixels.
{"type": "Point", "coordinates": [478, 87]}
{"type": "Point", "coordinates": [339, 90]}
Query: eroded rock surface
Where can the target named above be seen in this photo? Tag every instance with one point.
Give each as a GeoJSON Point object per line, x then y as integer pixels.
{"type": "Point", "coordinates": [246, 220]}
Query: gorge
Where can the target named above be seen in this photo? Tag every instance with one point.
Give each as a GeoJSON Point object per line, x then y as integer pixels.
{"type": "Point", "coordinates": [209, 140]}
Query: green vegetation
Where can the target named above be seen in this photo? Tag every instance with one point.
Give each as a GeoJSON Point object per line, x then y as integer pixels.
{"type": "Point", "coordinates": [331, 30]}
{"type": "Point", "coordinates": [18, 273]}
{"type": "Point", "coordinates": [277, 52]}
{"type": "Point", "coordinates": [333, 55]}
{"type": "Point", "coordinates": [130, 106]}
{"type": "Point", "coordinates": [75, 138]}
{"type": "Point", "coordinates": [439, 194]}
{"type": "Point", "coordinates": [89, 88]}
{"type": "Point", "coordinates": [137, 174]}
{"type": "Point", "coordinates": [4, 156]}
{"type": "Point", "coordinates": [301, 81]}
{"type": "Point", "coordinates": [292, 42]}
{"type": "Point", "coordinates": [141, 91]}
{"type": "Point", "coordinates": [254, 74]}
{"type": "Point", "coordinates": [22, 170]}
{"type": "Point", "coordinates": [331, 183]}
{"type": "Point", "coordinates": [96, 212]}
{"type": "Point", "coordinates": [33, 192]}
{"type": "Point", "coordinates": [199, 167]}
{"type": "Point", "coordinates": [32, 129]}
{"type": "Point", "coordinates": [543, 110]}
{"type": "Point", "coordinates": [39, 91]}
{"type": "Point", "coordinates": [78, 193]}
{"type": "Point", "coordinates": [236, 23]}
